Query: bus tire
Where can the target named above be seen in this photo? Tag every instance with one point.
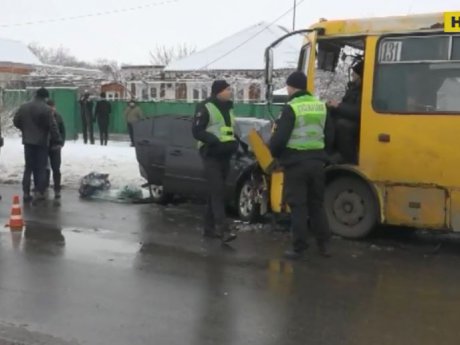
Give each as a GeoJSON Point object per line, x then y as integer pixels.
{"type": "Point", "coordinates": [351, 207]}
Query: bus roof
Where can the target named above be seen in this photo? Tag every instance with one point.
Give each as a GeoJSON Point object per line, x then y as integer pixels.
{"type": "Point", "coordinates": [380, 25]}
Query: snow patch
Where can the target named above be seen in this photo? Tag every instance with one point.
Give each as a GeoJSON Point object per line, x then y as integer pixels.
{"type": "Point", "coordinates": [117, 159]}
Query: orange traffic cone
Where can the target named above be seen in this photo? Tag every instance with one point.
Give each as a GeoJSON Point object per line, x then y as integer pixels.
{"type": "Point", "coordinates": [16, 222]}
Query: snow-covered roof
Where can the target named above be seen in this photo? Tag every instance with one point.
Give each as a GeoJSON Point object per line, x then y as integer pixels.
{"type": "Point", "coordinates": [232, 53]}
{"type": "Point", "coordinates": [15, 52]}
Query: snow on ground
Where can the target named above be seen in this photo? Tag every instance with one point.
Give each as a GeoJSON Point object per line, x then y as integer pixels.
{"type": "Point", "coordinates": [117, 159]}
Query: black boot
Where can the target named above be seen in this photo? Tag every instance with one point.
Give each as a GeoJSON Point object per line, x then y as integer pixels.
{"type": "Point", "coordinates": [211, 233]}
{"type": "Point", "coordinates": [228, 236]}
{"type": "Point", "coordinates": [292, 254]}
{"type": "Point", "coordinates": [57, 194]}
{"type": "Point", "coordinates": [323, 250]}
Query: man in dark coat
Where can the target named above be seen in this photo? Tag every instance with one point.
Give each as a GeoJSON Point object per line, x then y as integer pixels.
{"type": "Point", "coordinates": [103, 111]}
{"type": "Point", "coordinates": [86, 111]}
{"type": "Point", "coordinates": [54, 154]}
{"type": "Point", "coordinates": [346, 116]}
{"type": "Point", "coordinates": [38, 126]}
{"type": "Point", "coordinates": [1, 144]}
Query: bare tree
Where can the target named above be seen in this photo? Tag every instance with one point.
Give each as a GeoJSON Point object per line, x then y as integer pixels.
{"type": "Point", "coordinates": [110, 67]}
{"type": "Point", "coordinates": [57, 56]}
{"type": "Point", "coordinates": [163, 55]}
{"type": "Point", "coordinates": [62, 57]}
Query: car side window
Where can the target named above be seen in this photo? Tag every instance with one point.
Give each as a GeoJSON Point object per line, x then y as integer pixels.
{"type": "Point", "coordinates": [182, 134]}
{"type": "Point", "coordinates": [161, 128]}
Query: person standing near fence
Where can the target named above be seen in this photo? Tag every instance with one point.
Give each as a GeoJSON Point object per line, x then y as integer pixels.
{"type": "Point", "coordinates": [54, 153]}
{"type": "Point", "coordinates": [1, 142]}
{"type": "Point", "coordinates": [36, 122]}
{"type": "Point", "coordinates": [133, 113]}
{"type": "Point", "coordinates": [103, 111]}
{"type": "Point", "coordinates": [86, 111]}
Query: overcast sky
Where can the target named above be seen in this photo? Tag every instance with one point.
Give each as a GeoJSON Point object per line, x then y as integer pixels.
{"type": "Point", "coordinates": [128, 36]}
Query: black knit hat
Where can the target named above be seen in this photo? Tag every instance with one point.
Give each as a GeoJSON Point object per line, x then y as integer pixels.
{"type": "Point", "coordinates": [42, 93]}
{"type": "Point", "coordinates": [297, 80]}
{"type": "Point", "coordinates": [218, 86]}
{"type": "Point", "coordinates": [358, 68]}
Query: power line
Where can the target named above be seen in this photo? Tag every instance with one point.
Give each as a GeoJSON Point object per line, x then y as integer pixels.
{"type": "Point", "coordinates": [90, 15]}
{"type": "Point", "coordinates": [253, 36]}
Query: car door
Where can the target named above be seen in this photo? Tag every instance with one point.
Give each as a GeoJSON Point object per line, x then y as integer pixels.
{"type": "Point", "coordinates": [151, 137]}
{"type": "Point", "coordinates": [184, 167]}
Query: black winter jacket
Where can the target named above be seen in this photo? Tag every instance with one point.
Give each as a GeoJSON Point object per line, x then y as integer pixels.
{"type": "Point", "coordinates": [212, 146]}
{"type": "Point", "coordinates": [36, 122]}
{"type": "Point", "coordinates": [284, 127]}
{"type": "Point", "coordinates": [350, 107]}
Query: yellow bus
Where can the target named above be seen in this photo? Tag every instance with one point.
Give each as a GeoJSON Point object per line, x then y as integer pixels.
{"type": "Point", "coordinates": [408, 170]}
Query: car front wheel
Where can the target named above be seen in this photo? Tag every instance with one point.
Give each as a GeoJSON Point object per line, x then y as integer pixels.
{"type": "Point", "coordinates": [248, 207]}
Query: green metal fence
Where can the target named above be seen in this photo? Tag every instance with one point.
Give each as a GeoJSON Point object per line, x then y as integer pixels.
{"type": "Point", "coordinates": [66, 100]}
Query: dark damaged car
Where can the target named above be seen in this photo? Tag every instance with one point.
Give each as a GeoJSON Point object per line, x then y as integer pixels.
{"type": "Point", "coordinates": [170, 162]}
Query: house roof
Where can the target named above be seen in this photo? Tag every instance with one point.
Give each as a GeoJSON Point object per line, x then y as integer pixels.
{"type": "Point", "coordinates": [15, 52]}
{"type": "Point", "coordinates": [243, 51]}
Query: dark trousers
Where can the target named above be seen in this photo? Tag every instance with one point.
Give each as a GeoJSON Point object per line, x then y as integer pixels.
{"type": "Point", "coordinates": [87, 128]}
{"type": "Point", "coordinates": [103, 123]}
{"type": "Point", "coordinates": [346, 133]}
{"type": "Point", "coordinates": [55, 162]}
{"type": "Point", "coordinates": [36, 159]}
{"type": "Point", "coordinates": [304, 193]}
{"type": "Point", "coordinates": [131, 132]}
{"type": "Point", "coordinates": [216, 172]}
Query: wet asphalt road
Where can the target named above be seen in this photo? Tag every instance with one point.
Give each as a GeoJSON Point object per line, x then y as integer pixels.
{"type": "Point", "coordinates": [106, 273]}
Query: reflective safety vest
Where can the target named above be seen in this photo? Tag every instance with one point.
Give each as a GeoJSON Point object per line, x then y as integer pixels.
{"type": "Point", "coordinates": [310, 119]}
{"type": "Point", "coordinates": [217, 126]}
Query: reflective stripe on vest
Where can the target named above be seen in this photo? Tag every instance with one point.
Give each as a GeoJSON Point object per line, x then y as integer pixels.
{"type": "Point", "coordinates": [217, 126]}
{"type": "Point", "coordinates": [310, 119]}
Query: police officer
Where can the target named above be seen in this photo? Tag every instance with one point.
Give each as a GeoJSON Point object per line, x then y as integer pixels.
{"type": "Point", "coordinates": [298, 143]}
{"type": "Point", "coordinates": [213, 128]}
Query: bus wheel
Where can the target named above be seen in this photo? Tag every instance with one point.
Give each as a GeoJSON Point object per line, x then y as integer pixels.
{"type": "Point", "coordinates": [351, 207]}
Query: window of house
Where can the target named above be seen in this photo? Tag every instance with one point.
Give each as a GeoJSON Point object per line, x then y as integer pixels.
{"type": "Point", "coordinates": [238, 92]}
{"type": "Point", "coordinates": [181, 91]}
{"type": "Point", "coordinates": [182, 134]}
{"type": "Point", "coordinates": [145, 93]}
{"type": "Point", "coordinates": [153, 92]}
{"type": "Point", "coordinates": [133, 89]}
{"type": "Point", "coordinates": [196, 94]}
{"type": "Point", "coordinates": [254, 92]}
{"type": "Point", "coordinates": [204, 91]}
{"type": "Point", "coordinates": [417, 75]}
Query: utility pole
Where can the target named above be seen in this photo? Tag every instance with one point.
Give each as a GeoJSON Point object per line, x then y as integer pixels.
{"type": "Point", "coordinates": [294, 15]}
